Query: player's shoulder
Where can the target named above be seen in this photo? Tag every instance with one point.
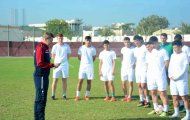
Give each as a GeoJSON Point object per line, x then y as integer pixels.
{"type": "Point", "coordinates": [185, 47]}
{"type": "Point", "coordinates": [112, 51]}
{"type": "Point", "coordinates": [92, 47]}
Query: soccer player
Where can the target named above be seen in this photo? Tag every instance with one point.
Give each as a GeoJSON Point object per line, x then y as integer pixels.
{"type": "Point", "coordinates": [168, 47]}
{"type": "Point", "coordinates": [60, 53]}
{"type": "Point", "coordinates": [86, 55]}
{"type": "Point", "coordinates": [140, 70]}
{"type": "Point", "coordinates": [178, 74]}
{"type": "Point", "coordinates": [186, 50]}
{"type": "Point", "coordinates": [41, 75]}
{"type": "Point", "coordinates": [127, 68]}
{"type": "Point", "coordinates": [107, 69]}
{"type": "Point", "coordinates": [164, 44]}
{"type": "Point", "coordinates": [157, 62]}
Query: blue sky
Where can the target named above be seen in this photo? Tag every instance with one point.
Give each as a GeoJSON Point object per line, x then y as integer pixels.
{"type": "Point", "coordinates": [96, 12]}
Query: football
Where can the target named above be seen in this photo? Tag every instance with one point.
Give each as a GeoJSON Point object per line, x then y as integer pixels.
{"type": "Point", "coordinates": [159, 109]}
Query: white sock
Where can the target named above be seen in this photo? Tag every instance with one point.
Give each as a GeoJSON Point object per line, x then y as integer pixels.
{"type": "Point", "coordinates": [141, 97]}
{"type": "Point", "coordinates": [126, 96]}
{"type": "Point", "coordinates": [53, 93]}
{"type": "Point", "coordinates": [78, 93]}
{"type": "Point", "coordinates": [176, 110]}
{"type": "Point", "coordinates": [129, 96]}
{"type": "Point", "coordinates": [64, 94]}
{"type": "Point", "coordinates": [155, 105]}
{"type": "Point", "coordinates": [87, 93]}
{"type": "Point", "coordinates": [181, 102]}
{"type": "Point", "coordinates": [166, 107]}
{"type": "Point", "coordinates": [188, 113]}
{"type": "Point", "coordinates": [147, 99]}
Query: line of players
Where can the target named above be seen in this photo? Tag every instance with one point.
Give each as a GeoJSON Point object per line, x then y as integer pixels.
{"type": "Point", "coordinates": [153, 65]}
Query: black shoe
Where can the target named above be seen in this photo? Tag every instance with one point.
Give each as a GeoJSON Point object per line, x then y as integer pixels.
{"type": "Point", "coordinates": [64, 98]}
{"type": "Point", "coordinates": [53, 97]}
{"type": "Point", "coordinates": [147, 105]}
{"type": "Point", "coordinates": [141, 103]}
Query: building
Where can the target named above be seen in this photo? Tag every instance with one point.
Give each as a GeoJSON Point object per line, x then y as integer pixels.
{"type": "Point", "coordinates": [75, 26]}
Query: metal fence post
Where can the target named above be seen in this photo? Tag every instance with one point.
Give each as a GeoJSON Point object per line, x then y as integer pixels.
{"type": "Point", "coordinates": [8, 41]}
{"type": "Point", "coordinates": [33, 39]}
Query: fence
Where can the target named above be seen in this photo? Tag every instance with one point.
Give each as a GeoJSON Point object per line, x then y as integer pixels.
{"type": "Point", "coordinates": [19, 49]}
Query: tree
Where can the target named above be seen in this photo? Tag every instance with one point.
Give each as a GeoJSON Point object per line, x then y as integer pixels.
{"type": "Point", "coordinates": [106, 31]}
{"type": "Point", "coordinates": [59, 26]}
{"type": "Point", "coordinates": [184, 28]}
{"type": "Point", "coordinates": [151, 24]}
{"type": "Point", "coordinates": [127, 26]}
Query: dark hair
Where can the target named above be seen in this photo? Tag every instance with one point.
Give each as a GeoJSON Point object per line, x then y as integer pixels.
{"type": "Point", "coordinates": [153, 39]}
{"type": "Point", "coordinates": [177, 42]}
{"type": "Point", "coordinates": [148, 43]}
{"type": "Point", "coordinates": [178, 37]}
{"type": "Point", "coordinates": [164, 34]}
{"type": "Point", "coordinates": [106, 42]}
{"type": "Point", "coordinates": [136, 37]}
{"type": "Point", "coordinates": [59, 35]}
{"type": "Point", "coordinates": [126, 38]}
{"type": "Point", "coordinates": [88, 38]}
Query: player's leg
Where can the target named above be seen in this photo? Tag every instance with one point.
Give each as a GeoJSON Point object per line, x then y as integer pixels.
{"type": "Point", "coordinates": [88, 88]}
{"type": "Point", "coordinates": [141, 95]}
{"type": "Point", "coordinates": [146, 94]}
{"type": "Point", "coordinates": [176, 106]}
{"type": "Point", "coordinates": [130, 91]}
{"type": "Point", "coordinates": [79, 87]}
{"type": "Point", "coordinates": [64, 86]}
{"type": "Point", "coordinates": [164, 98]}
{"type": "Point", "coordinates": [124, 88]}
{"type": "Point", "coordinates": [112, 89]}
{"type": "Point", "coordinates": [131, 74]}
{"type": "Point", "coordinates": [187, 107]}
{"type": "Point", "coordinates": [54, 86]}
{"type": "Point", "coordinates": [106, 88]}
{"type": "Point", "coordinates": [154, 100]}
{"type": "Point", "coordinates": [56, 75]}
{"type": "Point", "coordinates": [65, 75]}
{"type": "Point", "coordinates": [82, 76]}
{"type": "Point", "coordinates": [124, 78]}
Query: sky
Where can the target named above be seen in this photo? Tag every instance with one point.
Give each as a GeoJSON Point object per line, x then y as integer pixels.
{"type": "Point", "coordinates": [95, 12]}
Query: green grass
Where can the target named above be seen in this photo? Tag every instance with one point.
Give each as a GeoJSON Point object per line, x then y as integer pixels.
{"type": "Point", "coordinates": [17, 96]}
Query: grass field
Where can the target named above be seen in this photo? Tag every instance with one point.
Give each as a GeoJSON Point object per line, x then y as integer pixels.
{"type": "Point", "coordinates": [17, 96]}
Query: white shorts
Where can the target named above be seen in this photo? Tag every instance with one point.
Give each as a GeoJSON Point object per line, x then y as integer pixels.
{"type": "Point", "coordinates": [179, 87]}
{"type": "Point", "coordinates": [61, 70]}
{"type": "Point", "coordinates": [86, 72]}
{"type": "Point", "coordinates": [107, 76]}
{"type": "Point", "coordinates": [140, 76]}
{"type": "Point", "coordinates": [155, 84]}
{"type": "Point", "coordinates": [127, 74]}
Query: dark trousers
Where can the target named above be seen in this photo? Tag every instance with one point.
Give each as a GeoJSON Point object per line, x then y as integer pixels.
{"type": "Point", "coordinates": [41, 85]}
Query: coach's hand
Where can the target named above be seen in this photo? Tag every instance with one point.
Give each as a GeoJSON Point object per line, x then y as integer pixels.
{"type": "Point", "coordinates": [56, 65]}
{"type": "Point", "coordinates": [172, 78]}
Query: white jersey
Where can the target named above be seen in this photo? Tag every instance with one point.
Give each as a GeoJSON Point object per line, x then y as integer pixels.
{"type": "Point", "coordinates": [86, 54]}
{"type": "Point", "coordinates": [186, 50]}
{"type": "Point", "coordinates": [140, 56]}
{"type": "Point", "coordinates": [156, 64]}
{"type": "Point", "coordinates": [128, 57]}
{"type": "Point", "coordinates": [178, 66]}
{"type": "Point", "coordinates": [61, 53]}
{"type": "Point", "coordinates": [107, 58]}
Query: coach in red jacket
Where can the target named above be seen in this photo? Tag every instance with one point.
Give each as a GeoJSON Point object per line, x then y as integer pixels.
{"type": "Point", "coordinates": [41, 74]}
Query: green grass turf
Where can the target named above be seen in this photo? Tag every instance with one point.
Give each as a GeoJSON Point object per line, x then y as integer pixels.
{"type": "Point", "coordinates": [17, 96]}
